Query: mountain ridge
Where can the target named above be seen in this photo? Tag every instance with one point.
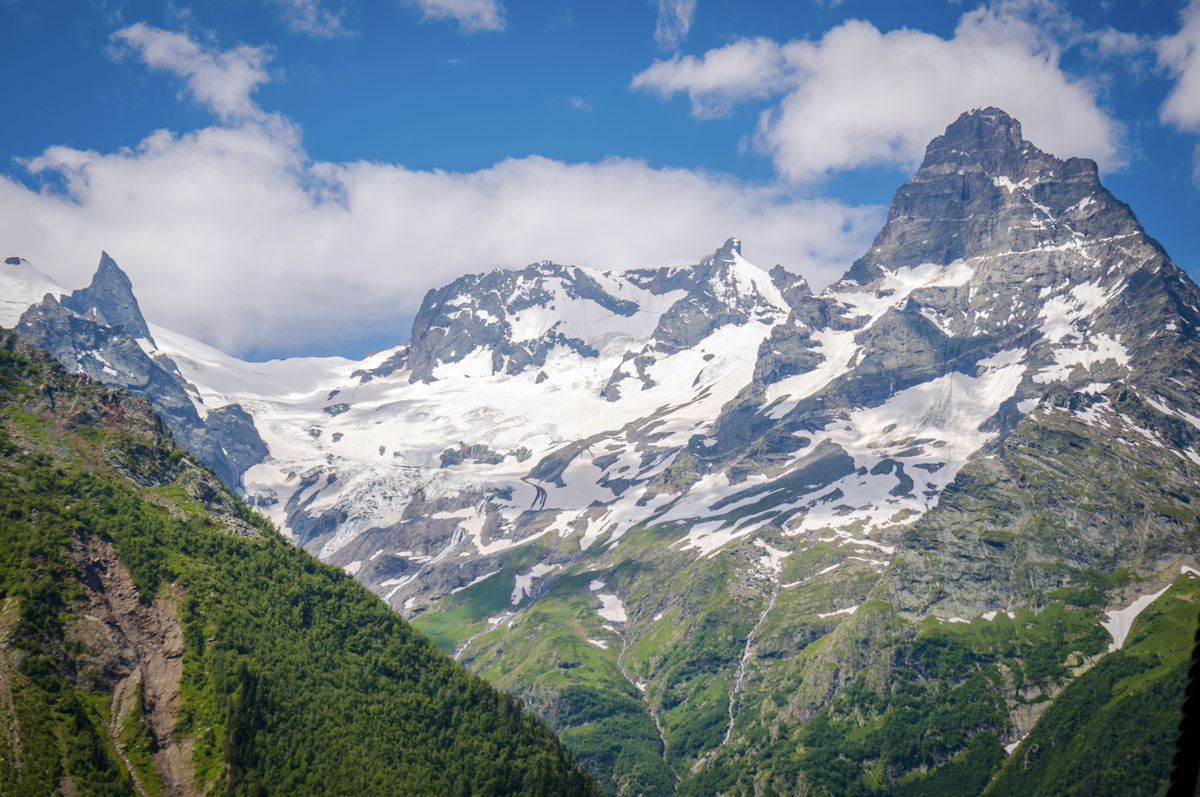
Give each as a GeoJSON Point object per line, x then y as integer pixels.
{"type": "Point", "coordinates": [651, 501]}
{"type": "Point", "coordinates": [157, 637]}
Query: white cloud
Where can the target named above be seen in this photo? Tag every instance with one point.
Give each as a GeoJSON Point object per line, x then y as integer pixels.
{"type": "Point", "coordinates": [1180, 54]}
{"type": "Point", "coordinates": [307, 16]}
{"type": "Point", "coordinates": [473, 16]}
{"type": "Point", "coordinates": [859, 97]}
{"type": "Point", "coordinates": [232, 235]}
{"type": "Point", "coordinates": [221, 80]}
{"type": "Point", "coordinates": [1110, 42]}
{"type": "Point", "coordinates": [673, 22]}
{"type": "Point", "coordinates": [742, 70]}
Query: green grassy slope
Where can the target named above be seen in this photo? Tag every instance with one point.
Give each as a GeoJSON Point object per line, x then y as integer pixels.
{"type": "Point", "coordinates": [1113, 730]}
{"type": "Point", "coordinates": [294, 679]}
{"type": "Point", "coordinates": [1052, 530]}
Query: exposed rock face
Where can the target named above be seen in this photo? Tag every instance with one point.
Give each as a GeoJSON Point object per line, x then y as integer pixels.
{"type": "Point", "coordinates": [695, 509]}
{"type": "Point", "coordinates": [514, 319]}
{"type": "Point", "coordinates": [110, 298]}
{"type": "Point", "coordinates": [96, 330]}
{"type": "Point", "coordinates": [1023, 233]}
{"type": "Point", "coordinates": [136, 655]}
{"type": "Point", "coordinates": [721, 293]}
{"type": "Point", "coordinates": [1008, 301]}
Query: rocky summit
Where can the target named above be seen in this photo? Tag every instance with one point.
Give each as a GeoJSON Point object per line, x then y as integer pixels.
{"type": "Point", "coordinates": [100, 331]}
{"type": "Point", "coordinates": [730, 535]}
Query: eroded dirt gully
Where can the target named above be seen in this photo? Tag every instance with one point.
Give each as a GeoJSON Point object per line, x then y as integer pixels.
{"type": "Point", "coordinates": [133, 643]}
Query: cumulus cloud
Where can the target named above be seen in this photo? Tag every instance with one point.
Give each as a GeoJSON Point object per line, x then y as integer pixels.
{"type": "Point", "coordinates": [1111, 42]}
{"type": "Point", "coordinates": [221, 80]}
{"type": "Point", "coordinates": [232, 234]}
{"type": "Point", "coordinates": [859, 97]}
{"type": "Point", "coordinates": [673, 22]}
{"type": "Point", "coordinates": [715, 82]}
{"type": "Point", "coordinates": [235, 235]}
{"type": "Point", "coordinates": [307, 16]}
{"type": "Point", "coordinates": [472, 16]}
{"type": "Point", "coordinates": [1180, 54]}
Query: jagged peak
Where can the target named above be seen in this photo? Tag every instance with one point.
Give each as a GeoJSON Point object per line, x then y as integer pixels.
{"type": "Point", "coordinates": [109, 270]}
{"type": "Point", "coordinates": [111, 292]}
{"type": "Point", "coordinates": [984, 140]}
{"type": "Point", "coordinates": [989, 124]}
{"type": "Point", "coordinates": [725, 254]}
{"type": "Point", "coordinates": [979, 170]}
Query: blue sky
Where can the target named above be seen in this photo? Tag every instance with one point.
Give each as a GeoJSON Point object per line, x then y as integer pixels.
{"type": "Point", "coordinates": [290, 176]}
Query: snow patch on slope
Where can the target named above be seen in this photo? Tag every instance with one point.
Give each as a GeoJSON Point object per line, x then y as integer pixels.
{"type": "Point", "coordinates": [1121, 620]}
{"type": "Point", "coordinates": [611, 607]}
{"type": "Point", "coordinates": [523, 584]}
{"type": "Point", "coordinates": [22, 285]}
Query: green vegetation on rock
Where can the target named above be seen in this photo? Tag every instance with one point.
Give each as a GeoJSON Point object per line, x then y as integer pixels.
{"type": "Point", "coordinates": [1113, 730]}
{"type": "Point", "coordinates": [156, 635]}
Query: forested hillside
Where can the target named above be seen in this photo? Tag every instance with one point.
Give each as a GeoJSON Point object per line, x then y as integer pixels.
{"type": "Point", "coordinates": [157, 637]}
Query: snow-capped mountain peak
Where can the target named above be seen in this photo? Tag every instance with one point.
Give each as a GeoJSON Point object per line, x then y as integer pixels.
{"type": "Point", "coordinates": [584, 453]}
{"type": "Point", "coordinates": [510, 321]}
{"type": "Point", "coordinates": [21, 285]}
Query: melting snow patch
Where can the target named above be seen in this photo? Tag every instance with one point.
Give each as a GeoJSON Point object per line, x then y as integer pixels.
{"type": "Point", "coordinates": [848, 610]}
{"type": "Point", "coordinates": [1120, 621]}
{"type": "Point", "coordinates": [395, 584]}
{"type": "Point", "coordinates": [708, 538]}
{"type": "Point", "coordinates": [595, 585]}
{"type": "Point", "coordinates": [1161, 405]}
{"type": "Point", "coordinates": [1008, 185]}
{"type": "Point", "coordinates": [773, 557]}
{"type": "Point", "coordinates": [1094, 415]}
{"type": "Point", "coordinates": [1081, 204]}
{"type": "Point", "coordinates": [887, 549]}
{"type": "Point", "coordinates": [1062, 313]}
{"type": "Point", "coordinates": [1009, 748]}
{"type": "Point", "coordinates": [836, 349]}
{"type": "Point", "coordinates": [523, 585]}
{"type": "Point", "coordinates": [1100, 349]}
{"type": "Point", "coordinates": [611, 607]}
{"type": "Point", "coordinates": [598, 643]}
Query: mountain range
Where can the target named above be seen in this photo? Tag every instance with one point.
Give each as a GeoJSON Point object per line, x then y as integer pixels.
{"type": "Point", "coordinates": [731, 535]}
